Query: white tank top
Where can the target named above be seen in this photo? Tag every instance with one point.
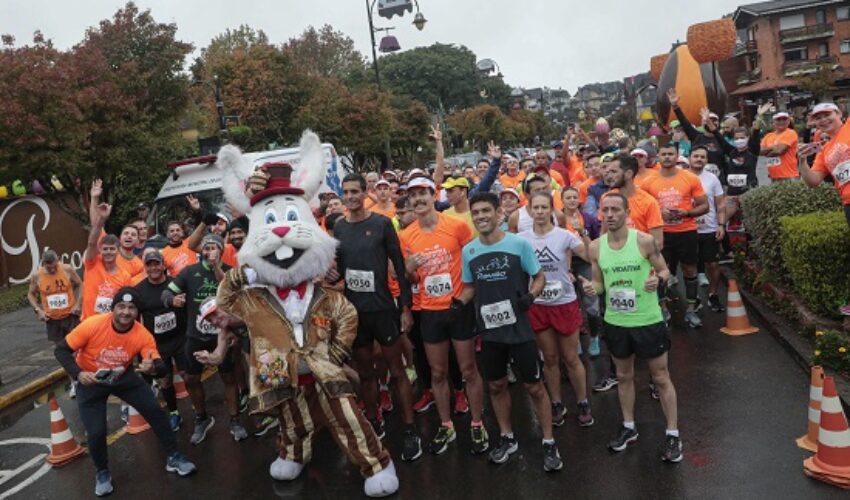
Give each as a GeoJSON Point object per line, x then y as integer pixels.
{"type": "Point", "coordinates": [525, 222]}
{"type": "Point", "coordinates": [551, 250]}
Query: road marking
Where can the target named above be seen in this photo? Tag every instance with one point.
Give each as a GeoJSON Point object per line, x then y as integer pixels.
{"type": "Point", "coordinates": [7, 475]}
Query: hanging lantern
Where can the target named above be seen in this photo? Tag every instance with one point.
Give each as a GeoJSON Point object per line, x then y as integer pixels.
{"type": "Point", "coordinates": [4, 192]}
{"type": "Point", "coordinates": [695, 84]}
{"type": "Point", "coordinates": [656, 64]}
{"type": "Point", "coordinates": [654, 130]}
{"type": "Point", "coordinates": [712, 41]}
{"type": "Point", "coordinates": [646, 115]}
{"type": "Point", "coordinates": [389, 44]}
{"type": "Point", "coordinates": [18, 188]}
{"type": "Point", "coordinates": [37, 188]}
{"type": "Point", "coordinates": [602, 127]}
{"type": "Point", "coordinates": [419, 21]}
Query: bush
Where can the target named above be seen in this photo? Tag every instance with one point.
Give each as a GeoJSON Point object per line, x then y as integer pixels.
{"type": "Point", "coordinates": [816, 250]}
{"type": "Point", "coordinates": [764, 206]}
{"type": "Point", "coordinates": [832, 350]}
{"type": "Point", "coordinates": [13, 298]}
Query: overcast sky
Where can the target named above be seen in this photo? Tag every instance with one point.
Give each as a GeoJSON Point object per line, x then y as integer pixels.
{"type": "Point", "coordinates": [563, 43]}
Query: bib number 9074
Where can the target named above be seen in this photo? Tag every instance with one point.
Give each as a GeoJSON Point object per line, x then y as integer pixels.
{"type": "Point", "coordinates": [438, 285]}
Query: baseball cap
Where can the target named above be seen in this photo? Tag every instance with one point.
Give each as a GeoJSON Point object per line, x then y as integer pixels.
{"type": "Point", "coordinates": [382, 182]}
{"type": "Point", "coordinates": [415, 171]}
{"type": "Point", "coordinates": [639, 152]}
{"type": "Point", "coordinates": [389, 174]}
{"type": "Point", "coordinates": [421, 182]}
{"type": "Point", "coordinates": [223, 217]}
{"type": "Point", "coordinates": [212, 238]}
{"type": "Point", "coordinates": [557, 145]}
{"type": "Point", "coordinates": [155, 255]}
{"type": "Point", "coordinates": [713, 115]}
{"type": "Point", "coordinates": [780, 115]}
{"type": "Point", "coordinates": [607, 157]}
{"type": "Point", "coordinates": [824, 107]}
{"type": "Point", "coordinates": [510, 191]}
{"type": "Point", "coordinates": [126, 294]}
{"type": "Point", "coordinates": [456, 182]}
{"type": "Point", "coordinates": [675, 123]}
{"type": "Point", "coordinates": [684, 160]}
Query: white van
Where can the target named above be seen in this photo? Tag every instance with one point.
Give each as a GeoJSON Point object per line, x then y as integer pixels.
{"type": "Point", "coordinates": [201, 177]}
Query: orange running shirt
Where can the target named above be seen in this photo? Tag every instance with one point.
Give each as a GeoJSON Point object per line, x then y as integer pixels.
{"type": "Point", "coordinates": [176, 258]}
{"type": "Point", "coordinates": [584, 186]}
{"type": "Point", "coordinates": [557, 177]}
{"type": "Point", "coordinates": [834, 160]}
{"type": "Point", "coordinates": [644, 211]}
{"type": "Point", "coordinates": [569, 226]}
{"type": "Point", "coordinates": [57, 292]}
{"type": "Point", "coordinates": [785, 166]}
{"type": "Point", "coordinates": [133, 267]}
{"type": "Point", "coordinates": [228, 256]}
{"type": "Point", "coordinates": [577, 173]}
{"type": "Point", "coordinates": [679, 192]}
{"type": "Point", "coordinates": [643, 176]}
{"type": "Point", "coordinates": [388, 213]}
{"type": "Point", "coordinates": [440, 275]}
{"type": "Point", "coordinates": [509, 182]}
{"type": "Point", "coordinates": [99, 346]}
{"type": "Point", "coordinates": [99, 286]}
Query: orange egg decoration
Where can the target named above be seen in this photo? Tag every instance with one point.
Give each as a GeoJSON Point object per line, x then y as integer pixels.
{"type": "Point", "coordinates": [698, 86]}
{"type": "Point", "coordinates": [712, 41]}
{"type": "Point", "coordinates": [656, 64]}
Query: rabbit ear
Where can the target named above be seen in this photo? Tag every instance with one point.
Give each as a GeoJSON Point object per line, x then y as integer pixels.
{"type": "Point", "coordinates": [234, 172]}
{"type": "Point", "coordinates": [310, 172]}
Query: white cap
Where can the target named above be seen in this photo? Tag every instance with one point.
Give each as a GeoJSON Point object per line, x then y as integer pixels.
{"type": "Point", "coordinates": [684, 160]}
{"type": "Point", "coordinates": [824, 107]}
{"type": "Point", "coordinates": [382, 182]}
{"type": "Point", "coordinates": [415, 171]}
{"type": "Point", "coordinates": [510, 191]}
{"type": "Point", "coordinates": [419, 182]}
{"type": "Point", "coordinates": [713, 115]}
{"type": "Point", "coordinates": [781, 114]}
{"type": "Point", "coordinates": [639, 152]}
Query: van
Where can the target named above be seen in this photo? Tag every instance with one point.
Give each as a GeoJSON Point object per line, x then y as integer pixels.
{"type": "Point", "coordinates": [201, 178]}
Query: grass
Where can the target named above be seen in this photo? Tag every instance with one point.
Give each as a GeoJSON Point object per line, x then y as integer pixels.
{"type": "Point", "coordinates": [13, 298]}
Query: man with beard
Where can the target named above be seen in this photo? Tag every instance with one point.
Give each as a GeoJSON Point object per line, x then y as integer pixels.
{"type": "Point", "coordinates": [716, 158]}
{"type": "Point", "coordinates": [236, 233]}
{"type": "Point", "coordinates": [179, 253]}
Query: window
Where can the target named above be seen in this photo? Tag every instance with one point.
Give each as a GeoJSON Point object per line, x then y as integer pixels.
{"type": "Point", "coordinates": [842, 13]}
{"type": "Point", "coordinates": [844, 47]}
{"type": "Point", "coordinates": [823, 49]}
{"type": "Point", "coordinates": [796, 54]}
{"type": "Point", "coordinates": [820, 17]}
{"type": "Point", "coordinates": [789, 22]}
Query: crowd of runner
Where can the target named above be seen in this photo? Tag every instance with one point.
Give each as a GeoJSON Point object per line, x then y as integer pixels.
{"type": "Point", "coordinates": [466, 279]}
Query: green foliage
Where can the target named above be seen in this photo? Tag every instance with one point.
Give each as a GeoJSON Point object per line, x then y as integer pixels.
{"type": "Point", "coordinates": [832, 350]}
{"type": "Point", "coordinates": [325, 53]}
{"type": "Point", "coordinates": [13, 298]}
{"type": "Point", "coordinates": [815, 249]}
{"type": "Point", "coordinates": [764, 206]}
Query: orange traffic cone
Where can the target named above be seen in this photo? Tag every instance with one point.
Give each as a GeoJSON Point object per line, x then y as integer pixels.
{"type": "Point", "coordinates": [179, 385]}
{"type": "Point", "coordinates": [737, 322]}
{"type": "Point", "coordinates": [135, 422]}
{"type": "Point", "coordinates": [831, 463]}
{"type": "Point", "coordinates": [63, 447]}
{"type": "Point", "coordinates": [809, 441]}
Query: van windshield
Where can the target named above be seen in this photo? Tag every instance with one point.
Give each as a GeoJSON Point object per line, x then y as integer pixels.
{"type": "Point", "coordinates": [176, 208]}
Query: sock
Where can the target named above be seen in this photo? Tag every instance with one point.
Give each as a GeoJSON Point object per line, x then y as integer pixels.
{"type": "Point", "coordinates": [691, 289]}
{"type": "Point", "coordinates": [629, 425]}
{"type": "Point", "coordinates": [477, 423]}
{"type": "Point", "coordinates": [548, 441]}
{"type": "Point", "coordinates": [674, 432]}
{"type": "Point", "coordinates": [170, 396]}
{"type": "Point", "coordinates": [508, 435]}
{"type": "Point", "coordinates": [448, 424]}
{"type": "Point", "coordinates": [583, 402]}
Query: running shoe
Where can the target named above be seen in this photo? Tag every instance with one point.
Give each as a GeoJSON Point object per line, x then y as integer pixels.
{"type": "Point", "coordinates": [698, 305]}
{"type": "Point", "coordinates": [714, 303]}
{"type": "Point", "coordinates": [606, 384]}
{"type": "Point", "coordinates": [480, 439]}
{"type": "Point", "coordinates": [507, 447]}
{"type": "Point", "coordinates": [585, 418]}
{"type": "Point", "coordinates": [672, 449]}
{"type": "Point", "coordinates": [593, 348]}
{"type": "Point", "coordinates": [202, 426]}
{"type": "Point", "coordinates": [180, 464]}
{"type": "Point", "coordinates": [551, 458]}
{"type": "Point", "coordinates": [426, 401]}
{"type": "Point", "coordinates": [511, 375]}
{"type": "Point", "coordinates": [265, 425]}
{"type": "Point", "coordinates": [243, 401]}
{"type": "Point", "coordinates": [653, 392]}
{"type": "Point", "coordinates": [703, 279]}
{"type": "Point", "coordinates": [692, 319]}
{"type": "Point", "coordinates": [102, 483]}
{"type": "Point", "coordinates": [461, 403]}
{"type": "Point", "coordinates": [386, 400]}
{"type": "Point", "coordinates": [412, 447]}
{"type": "Point", "coordinates": [624, 439]}
{"type": "Point", "coordinates": [175, 420]}
{"type": "Point", "coordinates": [125, 413]}
{"type": "Point", "coordinates": [559, 413]}
{"type": "Point", "coordinates": [72, 391]}
{"type": "Point", "coordinates": [237, 431]}
{"type": "Point", "coordinates": [844, 310]}
{"type": "Point", "coordinates": [378, 427]}
{"type": "Point", "coordinates": [441, 440]}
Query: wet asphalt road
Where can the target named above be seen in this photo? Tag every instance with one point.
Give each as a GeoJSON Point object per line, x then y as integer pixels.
{"type": "Point", "coordinates": [742, 402]}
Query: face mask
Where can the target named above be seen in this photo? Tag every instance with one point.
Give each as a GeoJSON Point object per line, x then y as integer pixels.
{"type": "Point", "coordinates": [741, 143]}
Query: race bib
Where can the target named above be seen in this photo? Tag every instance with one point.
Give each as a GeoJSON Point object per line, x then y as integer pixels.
{"type": "Point", "coordinates": [102, 304]}
{"type": "Point", "coordinates": [552, 291]}
{"type": "Point", "coordinates": [498, 314]}
{"type": "Point", "coordinates": [360, 281]}
{"type": "Point", "coordinates": [164, 323]}
{"type": "Point", "coordinates": [773, 161]}
{"type": "Point", "coordinates": [737, 180]}
{"type": "Point", "coordinates": [714, 169]}
{"type": "Point", "coordinates": [57, 301]}
{"type": "Point", "coordinates": [841, 173]}
{"type": "Point", "coordinates": [438, 285]}
{"type": "Point", "coordinates": [205, 327]}
{"type": "Point", "coordinates": [622, 300]}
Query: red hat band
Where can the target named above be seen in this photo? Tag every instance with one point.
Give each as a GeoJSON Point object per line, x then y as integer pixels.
{"type": "Point", "coordinates": [280, 182]}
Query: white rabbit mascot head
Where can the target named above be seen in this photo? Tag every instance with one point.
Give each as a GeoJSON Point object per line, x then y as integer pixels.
{"type": "Point", "coordinates": [285, 245]}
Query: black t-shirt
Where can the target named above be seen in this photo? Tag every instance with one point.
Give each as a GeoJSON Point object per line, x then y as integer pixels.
{"type": "Point", "coordinates": [362, 255]}
{"type": "Point", "coordinates": [165, 323]}
{"type": "Point", "coordinates": [198, 282]}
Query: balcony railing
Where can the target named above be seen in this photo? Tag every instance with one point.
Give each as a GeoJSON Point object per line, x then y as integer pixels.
{"type": "Point", "coordinates": [808, 66]}
{"type": "Point", "coordinates": [806, 33]}
{"type": "Point", "coordinates": [746, 47]}
{"type": "Point", "coordinates": [748, 77]}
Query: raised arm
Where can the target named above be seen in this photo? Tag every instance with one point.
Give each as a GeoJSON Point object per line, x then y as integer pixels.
{"type": "Point", "coordinates": [689, 129]}
{"type": "Point", "coordinates": [495, 154]}
{"type": "Point", "coordinates": [439, 171]}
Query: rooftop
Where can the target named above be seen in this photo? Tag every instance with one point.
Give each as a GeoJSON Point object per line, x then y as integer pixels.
{"type": "Point", "coordinates": [779, 6]}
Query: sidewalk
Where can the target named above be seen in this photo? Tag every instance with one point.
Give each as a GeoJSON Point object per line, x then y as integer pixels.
{"type": "Point", "coordinates": [26, 356]}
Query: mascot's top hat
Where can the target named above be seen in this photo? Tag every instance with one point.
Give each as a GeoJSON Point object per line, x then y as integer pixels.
{"type": "Point", "coordinates": [279, 182]}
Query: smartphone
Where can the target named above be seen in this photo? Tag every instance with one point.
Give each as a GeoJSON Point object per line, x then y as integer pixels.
{"type": "Point", "coordinates": [102, 374]}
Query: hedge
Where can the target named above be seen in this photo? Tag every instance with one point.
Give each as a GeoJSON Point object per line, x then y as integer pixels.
{"type": "Point", "coordinates": [816, 250]}
{"type": "Point", "coordinates": [13, 298]}
{"type": "Point", "coordinates": [764, 206]}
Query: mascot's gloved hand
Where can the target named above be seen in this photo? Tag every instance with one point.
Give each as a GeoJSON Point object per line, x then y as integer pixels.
{"type": "Point", "coordinates": [257, 182]}
{"type": "Point", "coordinates": [210, 218]}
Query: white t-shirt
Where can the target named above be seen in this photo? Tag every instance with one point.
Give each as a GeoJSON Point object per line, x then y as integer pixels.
{"type": "Point", "coordinates": [707, 223]}
{"type": "Point", "coordinates": [551, 250]}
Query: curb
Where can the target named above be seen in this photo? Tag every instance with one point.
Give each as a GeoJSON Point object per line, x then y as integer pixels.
{"type": "Point", "coordinates": [31, 388]}
{"type": "Point", "coordinates": [782, 330]}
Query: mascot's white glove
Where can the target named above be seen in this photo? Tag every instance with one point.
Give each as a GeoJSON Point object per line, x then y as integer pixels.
{"type": "Point", "coordinates": [250, 275]}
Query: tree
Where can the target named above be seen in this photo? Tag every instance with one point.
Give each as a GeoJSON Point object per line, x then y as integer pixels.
{"type": "Point", "coordinates": [325, 53]}
{"type": "Point", "coordinates": [487, 122]}
{"type": "Point", "coordinates": [819, 82]}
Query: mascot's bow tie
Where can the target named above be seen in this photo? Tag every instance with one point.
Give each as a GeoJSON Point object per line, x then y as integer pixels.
{"type": "Point", "coordinates": [283, 293]}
